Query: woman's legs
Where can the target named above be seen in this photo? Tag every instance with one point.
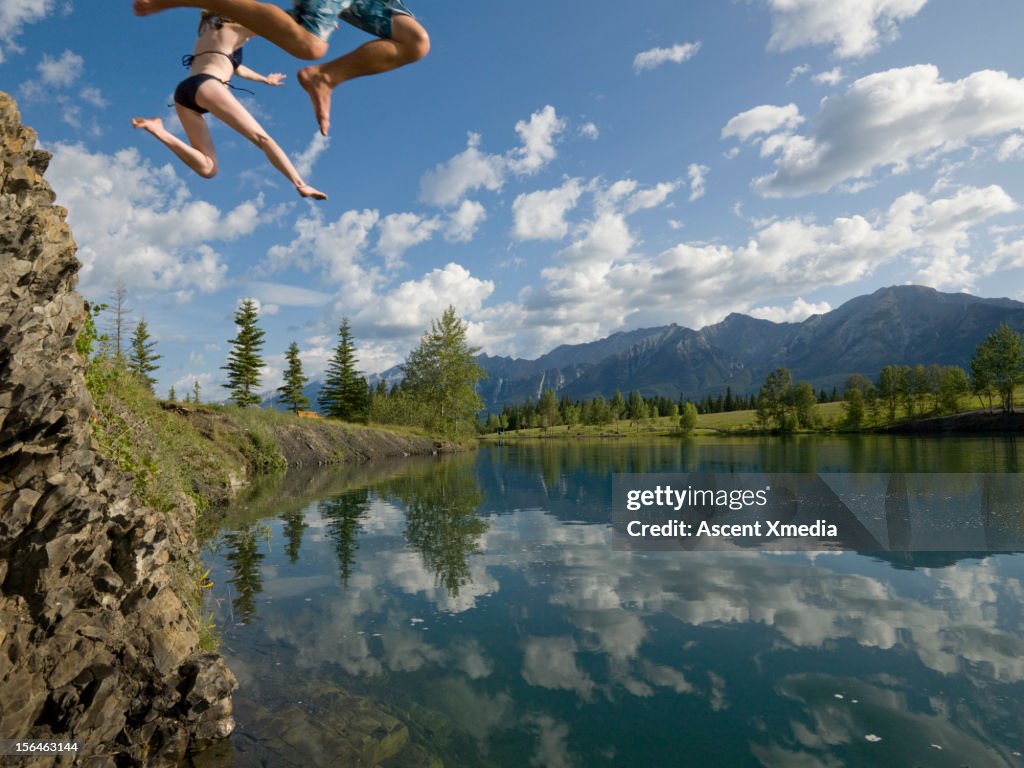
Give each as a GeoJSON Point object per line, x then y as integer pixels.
{"type": "Point", "coordinates": [265, 19]}
{"type": "Point", "coordinates": [213, 96]}
{"type": "Point", "coordinates": [200, 156]}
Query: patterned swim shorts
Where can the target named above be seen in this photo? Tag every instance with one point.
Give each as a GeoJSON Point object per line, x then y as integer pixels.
{"type": "Point", "coordinates": [321, 16]}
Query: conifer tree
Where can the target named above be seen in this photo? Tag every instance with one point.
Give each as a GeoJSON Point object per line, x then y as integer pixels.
{"type": "Point", "coordinates": [294, 380]}
{"type": "Point", "coordinates": [244, 360]}
{"type": "Point", "coordinates": [195, 391]}
{"type": "Point", "coordinates": [171, 397]}
{"type": "Point", "coordinates": [441, 375]}
{"type": "Point", "coordinates": [344, 394]}
{"type": "Point", "coordinates": [141, 358]}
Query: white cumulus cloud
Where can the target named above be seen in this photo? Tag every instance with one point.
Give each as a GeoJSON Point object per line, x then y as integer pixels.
{"type": "Point", "coordinates": [698, 180]}
{"type": "Point", "coordinates": [541, 215]}
{"type": "Point", "coordinates": [15, 15]}
{"type": "Point", "coordinates": [472, 169]}
{"type": "Point", "coordinates": [464, 221]}
{"type": "Point", "coordinates": [797, 311]}
{"type": "Point", "coordinates": [538, 135]}
{"type": "Point", "coordinates": [890, 119]}
{"type": "Point", "coordinates": [763, 119]}
{"type": "Point", "coordinates": [137, 222]}
{"type": "Point", "coordinates": [401, 231]}
{"type": "Point", "coordinates": [655, 57]}
{"type": "Point", "coordinates": [853, 28]}
{"type": "Point", "coordinates": [466, 172]}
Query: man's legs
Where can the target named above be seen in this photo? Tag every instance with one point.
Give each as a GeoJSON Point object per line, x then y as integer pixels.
{"type": "Point", "coordinates": [408, 43]}
{"type": "Point", "coordinates": [265, 19]}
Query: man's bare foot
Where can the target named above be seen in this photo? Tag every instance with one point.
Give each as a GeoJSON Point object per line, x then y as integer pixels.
{"type": "Point", "coordinates": [307, 191]}
{"type": "Point", "coordinates": [146, 7]}
{"type": "Point", "coordinates": [319, 90]}
{"type": "Point", "coordinates": [151, 124]}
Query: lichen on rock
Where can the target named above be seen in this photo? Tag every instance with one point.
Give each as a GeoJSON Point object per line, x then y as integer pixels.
{"type": "Point", "coordinates": [96, 646]}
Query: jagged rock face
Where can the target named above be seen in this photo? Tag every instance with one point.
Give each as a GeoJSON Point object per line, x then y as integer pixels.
{"type": "Point", "coordinates": [95, 644]}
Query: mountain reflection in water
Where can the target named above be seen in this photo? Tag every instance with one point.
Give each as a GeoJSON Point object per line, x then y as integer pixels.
{"type": "Point", "coordinates": [470, 611]}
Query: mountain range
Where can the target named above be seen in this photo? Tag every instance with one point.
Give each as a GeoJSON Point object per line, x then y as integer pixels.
{"type": "Point", "coordinates": [900, 325]}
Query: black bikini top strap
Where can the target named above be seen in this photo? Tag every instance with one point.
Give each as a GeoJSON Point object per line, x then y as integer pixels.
{"type": "Point", "coordinates": [187, 59]}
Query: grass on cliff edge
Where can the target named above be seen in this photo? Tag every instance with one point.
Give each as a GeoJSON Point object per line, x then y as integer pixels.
{"type": "Point", "coordinates": [166, 456]}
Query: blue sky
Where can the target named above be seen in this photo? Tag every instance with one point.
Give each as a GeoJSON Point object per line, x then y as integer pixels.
{"type": "Point", "coordinates": [555, 176]}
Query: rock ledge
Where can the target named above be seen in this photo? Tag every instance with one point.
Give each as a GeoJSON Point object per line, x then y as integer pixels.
{"type": "Point", "coordinates": [96, 645]}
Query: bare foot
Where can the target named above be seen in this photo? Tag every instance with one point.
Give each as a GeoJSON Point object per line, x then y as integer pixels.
{"type": "Point", "coordinates": [151, 124]}
{"type": "Point", "coordinates": [307, 191]}
{"type": "Point", "coordinates": [146, 7]}
{"type": "Point", "coordinates": [319, 90]}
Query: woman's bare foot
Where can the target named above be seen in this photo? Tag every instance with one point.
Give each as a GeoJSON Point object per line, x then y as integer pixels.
{"type": "Point", "coordinates": [315, 84]}
{"type": "Point", "coordinates": [307, 191]}
{"type": "Point", "coordinates": [151, 124]}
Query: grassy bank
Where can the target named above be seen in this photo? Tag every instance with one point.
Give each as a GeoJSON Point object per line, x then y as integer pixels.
{"type": "Point", "coordinates": [205, 453]}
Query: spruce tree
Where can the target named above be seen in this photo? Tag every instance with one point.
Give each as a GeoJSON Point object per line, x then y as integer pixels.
{"type": "Point", "coordinates": [141, 359]}
{"type": "Point", "coordinates": [195, 391]}
{"type": "Point", "coordinates": [244, 361]}
{"type": "Point", "coordinates": [294, 380]}
{"type": "Point", "coordinates": [344, 394]}
{"type": "Point", "coordinates": [171, 397]}
{"type": "Point", "coordinates": [441, 375]}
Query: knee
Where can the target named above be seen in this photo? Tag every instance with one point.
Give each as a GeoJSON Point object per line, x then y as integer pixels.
{"type": "Point", "coordinates": [311, 48]}
{"type": "Point", "coordinates": [210, 172]}
{"type": "Point", "coordinates": [418, 45]}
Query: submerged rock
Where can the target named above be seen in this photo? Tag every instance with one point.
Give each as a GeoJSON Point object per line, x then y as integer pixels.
{"type": "Point", "coordinates": [96, 646]}
{"type": "Point", "coordinates": [328, 727]}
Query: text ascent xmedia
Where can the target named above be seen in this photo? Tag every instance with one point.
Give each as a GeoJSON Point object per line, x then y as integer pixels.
{"type": "Point", "coordinates": [668, 497]}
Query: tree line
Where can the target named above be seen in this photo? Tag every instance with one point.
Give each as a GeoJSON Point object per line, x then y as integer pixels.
{"type": "Point", "coordinates": [903, 391]}
{"type": "Point", "coordinates": [437, 391]}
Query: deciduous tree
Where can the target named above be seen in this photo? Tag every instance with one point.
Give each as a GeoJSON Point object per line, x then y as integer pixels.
{"type": "Point", "coordinates": [442, 374]}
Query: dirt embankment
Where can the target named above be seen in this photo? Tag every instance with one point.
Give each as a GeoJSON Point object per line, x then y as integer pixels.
{"type": "Point", "coordinates": [975, 422]}
{"type": "Point", "coordinates": [256, 442]}
{"type": "Point", "coordinates": [309, 442]}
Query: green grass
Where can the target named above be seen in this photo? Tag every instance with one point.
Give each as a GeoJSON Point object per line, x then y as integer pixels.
{"type": "Point", "coordinates": [828, 417]}
{"type": "Point", "coordinates": [167, 457]}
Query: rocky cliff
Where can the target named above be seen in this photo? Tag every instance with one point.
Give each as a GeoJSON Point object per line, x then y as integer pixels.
{"type": "Point", "coordinates": [96, 645]}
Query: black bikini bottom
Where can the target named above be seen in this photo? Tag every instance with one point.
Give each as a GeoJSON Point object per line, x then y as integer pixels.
{"type": "Point", "coordinates": [185, 93]}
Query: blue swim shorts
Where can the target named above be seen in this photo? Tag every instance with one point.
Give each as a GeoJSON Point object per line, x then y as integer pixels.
{"type": "Point", "coordinates": [321, 16]}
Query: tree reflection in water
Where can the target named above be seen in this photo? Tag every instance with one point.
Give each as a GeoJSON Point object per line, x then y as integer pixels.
{"type": "Point", "coordinates": [244, 558]}
{"type": "Point", "coordinates": [295, 526]}
{"type": "Point", "coordinates": [343, 515]}
{"type": "Point", "coordinates": [440, 517]}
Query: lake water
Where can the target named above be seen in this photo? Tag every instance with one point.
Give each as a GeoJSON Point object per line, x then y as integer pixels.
{"type": "Point", "coordinates": [470, 611]}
